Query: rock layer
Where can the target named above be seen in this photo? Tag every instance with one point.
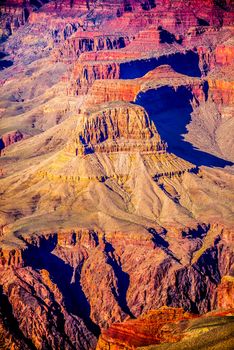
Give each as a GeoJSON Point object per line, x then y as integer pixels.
{"type": "Point", "coordinates": [157, 327]}
{"type": "Point", "coordinates": [100, 221]}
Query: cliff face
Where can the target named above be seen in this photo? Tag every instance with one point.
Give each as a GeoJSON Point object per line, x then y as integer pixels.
{"type": "Point", "coordinates": [111, 296]}
{"type": "Point", "coordinates": [84, 75]}
{"type": "Point", "coordinates": [116, 123]}
{"type": "Point", "coordinates": [225, 293]}
{"type": "Point", "coordinates": [91, 41]}
{"type": "Point", "coordinates": [31, 292]}
{"type": "Point", "coordinates": [15, 13]}
{"type": "Point", "coordinates": [127, 122]}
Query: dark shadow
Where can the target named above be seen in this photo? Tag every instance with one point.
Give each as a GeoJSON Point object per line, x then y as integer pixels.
{"type": "Point", "coordinates": [208, 264]}
{"type": "Point", "coordinates": [187, 64]}
{"type": "Point", "coordinates": [2, 145]}
{"type": "Point", "coordinates": [160, 242]}
{"type": "Point", "coordinates": [26, 14]}
{"type": "Point", "coordinates": [222, 4]}
{"type": "Point", "coordinates": [36, 3]}
{"type": "Point", "coordinates": [5, 64]}
{"type": "Point", "coordinates": [148, 5]}
{"type": "Point", "coordinates": [61, 273]}
{"type": "Point", "coordinates": [120, 293]}
{"type": "Point", "coordinates": [2, 55]}
{"type": "Point", "coordinates": [193, 233]}
{"type": "Point", "coordinates": [167, 37]}
{"type": "Point", "coordinates": [127, 6]}
{"type": "Point", "coordinates": [206, 90]}
{"type": "Point", "coordinates": [171, 112]}
{"type": "Point", "coordinates": [202, 22]}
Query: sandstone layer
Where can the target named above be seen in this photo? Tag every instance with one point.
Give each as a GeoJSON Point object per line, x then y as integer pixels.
{"type": "Point", "coordinates": [171, 328]}
{"type": "Point", "coordinates": [116, 170]}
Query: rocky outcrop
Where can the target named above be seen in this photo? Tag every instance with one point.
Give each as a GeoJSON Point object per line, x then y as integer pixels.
{"type": "Point", "coordinates": [121, 128]}
{"type": "Point", "coordinates": [225, 293]}
{"type": "Point", "coordinates": [11, 137]}
{"type": "Point", "coordinates": [221, 92]}
{"type": "Point", "coordinates": [81, 42]}
{"type": "Point", "coordinates": [224, 53]}
{"type": "Point", "coordinates": [84, 75]}
{"type": "Point", "coordinates": [127, 90]}
{"type": "Point", "coordinates": [15, 13]}
{"type": "Point", "coordinates": [219, 53]}
{"type": "Point", "coordinates": [153, 327]}
{"type": "Point", "coordinates": [99, 222]}
{"type": "Point", "coordinates": [122, 121]}
{"type": "Point", "coordinates": [150, 328]}
{"type": "Point", "coordinates": [28, 292]}
{"type": "Point", "coordinates": [109, 296]}
{"type": "Point", "coordinates": [72, 259]}
{"type": "Point", "coordinates": [158, 327]}
{"type": "Point", "coordinates": [11, 257]}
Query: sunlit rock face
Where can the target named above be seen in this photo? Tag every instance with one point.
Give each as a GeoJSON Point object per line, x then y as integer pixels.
{"type": "Point", "coordinates": [165, 327]}
{"type": "Point", "coordinates": [116, 166]}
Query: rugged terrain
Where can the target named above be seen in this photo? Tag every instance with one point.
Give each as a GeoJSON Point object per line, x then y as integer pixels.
{"type": "Point", "coordinates": [171, 328]}
{"type": "Point", "coordinates": [116, 168]}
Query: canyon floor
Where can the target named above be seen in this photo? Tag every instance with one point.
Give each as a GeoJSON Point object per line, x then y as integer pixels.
{"type": "Point", "coordinates": [116, 174]}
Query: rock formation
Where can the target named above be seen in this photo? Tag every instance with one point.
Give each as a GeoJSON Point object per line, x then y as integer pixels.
{"type": "Point", "coordinates": [116, 220]}
{"type": "Point", "coordinates": [120, 126]}
{"type": "Point", "coordinates": [169, 326]}
{"type": "Point", "coordinates": [151, 328]}
{"type": "Point", "coordinates": [225, 293]}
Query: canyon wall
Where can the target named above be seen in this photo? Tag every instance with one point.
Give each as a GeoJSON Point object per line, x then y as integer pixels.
{"type": "Point", "coordinates": [116, 223]}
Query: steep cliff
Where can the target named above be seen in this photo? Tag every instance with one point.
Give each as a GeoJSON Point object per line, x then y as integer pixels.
{"type": "Point", "coordinates": [116, 172]}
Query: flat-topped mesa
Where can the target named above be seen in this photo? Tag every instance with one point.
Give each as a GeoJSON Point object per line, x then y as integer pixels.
{"type": "Point", "coordinates": [103, 91]}
{"type": "Point", "coordinates": [120, 128]}
{"type": "Point", "coordinates": [98, 63]}
{"type": "Point", "coordinates": [86, 41]}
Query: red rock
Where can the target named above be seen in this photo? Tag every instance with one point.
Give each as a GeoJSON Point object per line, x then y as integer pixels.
{"type": "Point", "coordinates": [127, 90]}
{"type": "Point", "coordinates": [84, 75]}
{"type": "Point", "coordinates": [158, 327]}
{"type": "Point", "coordinates": [81, 42]}
{"type": "Point", "coordinates": [11, 137]}
{"type": "Point", "coordinates": [224, 54]}
{"type": "Point", "coordinates": [150, 328]}
{"type": "Point", "coordinates": [226, 293]}
{"type": "Point", "coordinates": [108, 235]}
{"type": "Point", "coordinates": [222, 91]}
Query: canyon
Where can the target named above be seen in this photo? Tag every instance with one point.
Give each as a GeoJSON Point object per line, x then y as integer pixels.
{"type": "Point", "coordinates": [116, 174]}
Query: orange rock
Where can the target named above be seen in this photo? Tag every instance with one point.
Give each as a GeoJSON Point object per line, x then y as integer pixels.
{"type": "Point", "coordinates": [222, 91]}
{"type": "Point", "coordinates": [150, 328]}
{"type": "Point", "coordinates": [226, 293]}
{"type": "Point", "coordinates": [224, 54]}
{"type": "Point", "coordinates": [127, 90]}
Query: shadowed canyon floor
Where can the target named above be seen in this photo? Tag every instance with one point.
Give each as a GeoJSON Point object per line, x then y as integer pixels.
{"type": "Point", "coordinates": [116, 166]}
{"type": "Point", "coordinates": [171, 120]}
